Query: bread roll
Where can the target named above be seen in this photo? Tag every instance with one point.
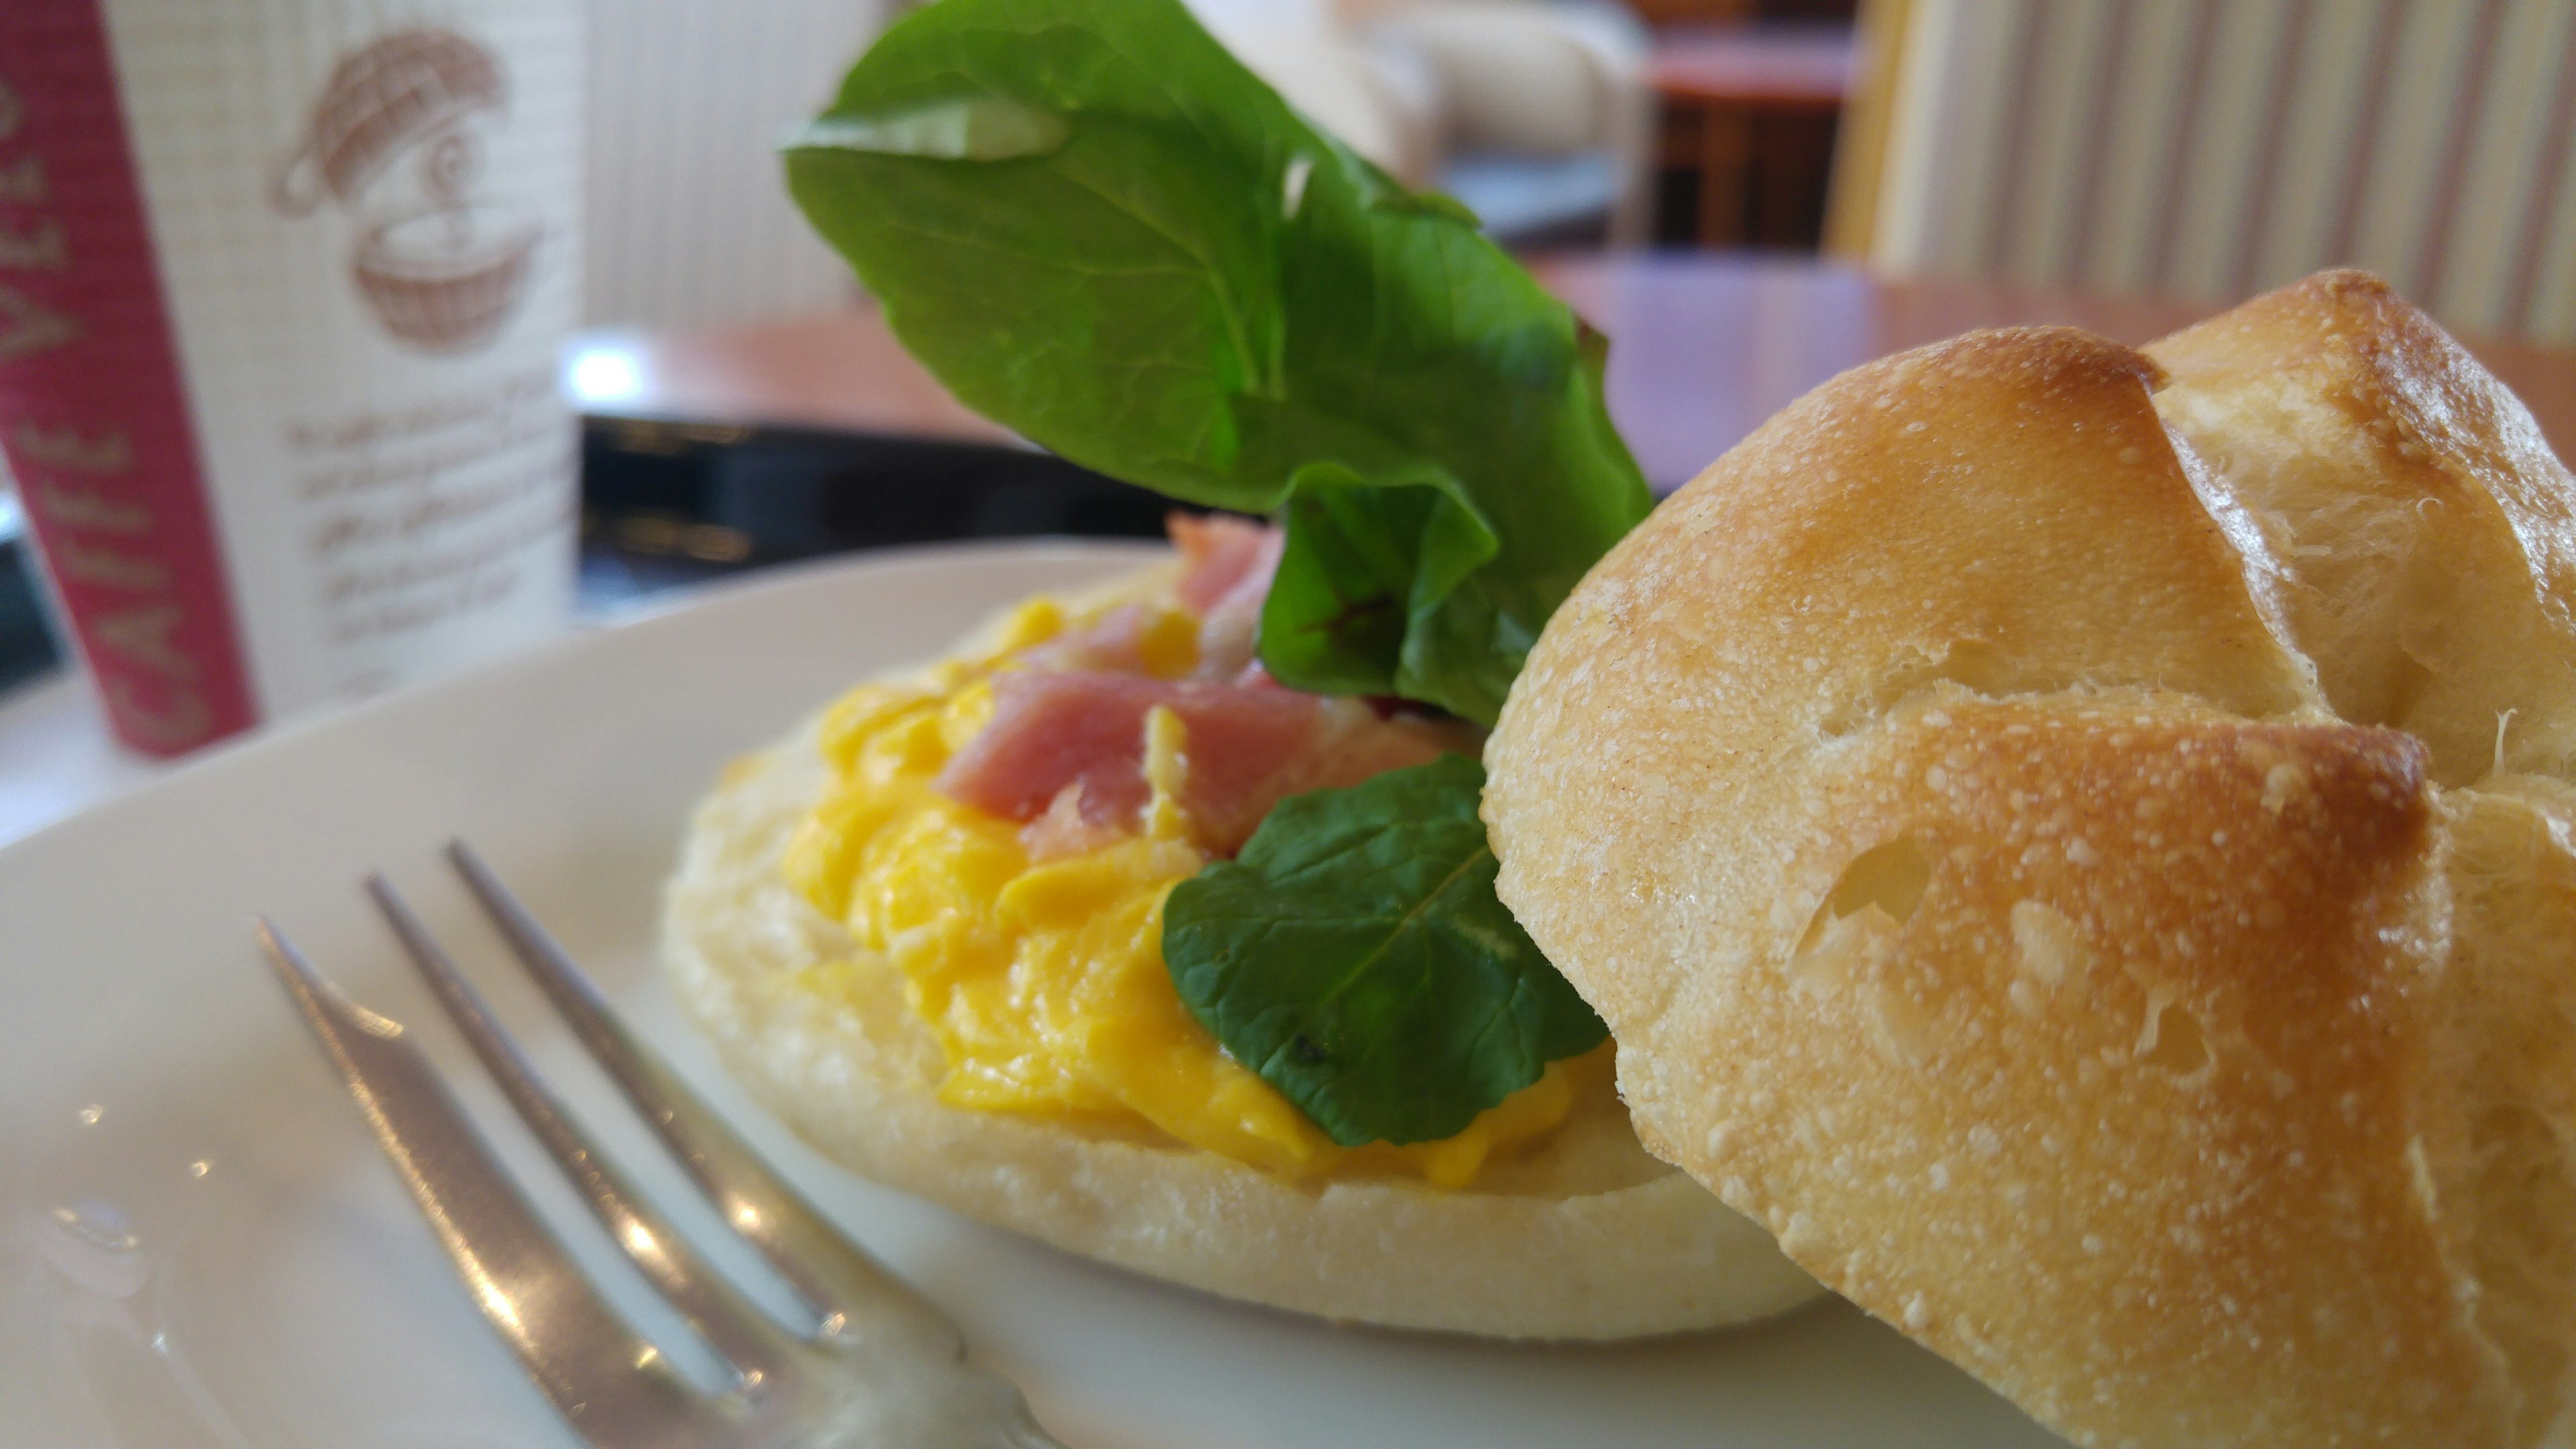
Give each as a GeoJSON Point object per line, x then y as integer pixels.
{"type": "Point", "coordinates": [2080, 843]}
{"type": "Point", "coordinates": [1583, 1237]}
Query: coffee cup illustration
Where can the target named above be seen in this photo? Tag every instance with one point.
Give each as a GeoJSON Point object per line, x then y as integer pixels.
{"type": "Point", "coordinates": [397, 140]}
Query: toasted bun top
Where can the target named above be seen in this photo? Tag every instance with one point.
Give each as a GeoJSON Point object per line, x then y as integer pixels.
{"type": "Point", "coordinates": [2036, 819]}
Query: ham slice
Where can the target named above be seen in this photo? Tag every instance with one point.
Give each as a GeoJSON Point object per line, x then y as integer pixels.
{"type": "Point", "coordinates": [1078, 736]}
{"type": "Point", "coordinates": [1114, 642]}
{"type": "Point", "coordinates": [1230, 564]}
{"type": "Point", "coordinates": [1064, 753]}
{"type": "Point", "coordinates": [1055, 729]}
{"type": "Point", "coordinates": [1225, 555]}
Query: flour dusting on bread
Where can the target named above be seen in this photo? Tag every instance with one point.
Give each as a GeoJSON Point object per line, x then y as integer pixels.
{"type": "Point", "coordinates": [2082, 843]}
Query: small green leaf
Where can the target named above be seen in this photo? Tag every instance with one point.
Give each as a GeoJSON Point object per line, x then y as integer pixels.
{"type": "Point", "coordinates": [1367, 568]}
{"type": "Point", "coordinates": [1356, 957]}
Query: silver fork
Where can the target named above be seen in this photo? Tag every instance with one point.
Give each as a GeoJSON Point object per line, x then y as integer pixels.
{"type": "Point", "coordinates": [872, 1364]}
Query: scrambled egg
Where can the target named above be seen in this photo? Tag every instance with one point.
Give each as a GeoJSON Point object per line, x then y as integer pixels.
{"type": "Point", "coordinates": [1044, 980]}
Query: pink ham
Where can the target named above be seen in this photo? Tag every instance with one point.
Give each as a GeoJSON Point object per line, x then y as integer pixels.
{"type": "Point", "coordinates": [1064, 752]}
{"type": "Point", "coordinates": [1054, 729]}
{"type": "Point", "coordinates": [1345, 742]}
{"type": "Point", "coordinates": [1083, 732]}
{"type": "Point", "coordinates": [1230, 564]}
{"type": "Point", "coordinates": [1115, 642]}
{"type": "Point", "coordinates": [1224, 555]}
{"type": "Point", "coordinates": [1352, 741]}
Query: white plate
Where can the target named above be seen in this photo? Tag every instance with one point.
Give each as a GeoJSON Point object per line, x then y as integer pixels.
{"type": "Point", "coordinates": [277, 1289]}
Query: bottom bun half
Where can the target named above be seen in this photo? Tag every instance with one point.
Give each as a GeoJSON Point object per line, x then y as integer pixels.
{"type": "Point", "coordinates": [1584, 1237]}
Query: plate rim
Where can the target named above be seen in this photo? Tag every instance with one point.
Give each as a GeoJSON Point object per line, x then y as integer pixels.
{"type": "Point", "coordinates": [580, 634]}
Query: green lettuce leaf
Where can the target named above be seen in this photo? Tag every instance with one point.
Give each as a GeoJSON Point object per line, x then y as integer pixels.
{"type": "Point", "coordinates": [1097, 227]}
{"type": "Point", "coordinates": [1355, 956]}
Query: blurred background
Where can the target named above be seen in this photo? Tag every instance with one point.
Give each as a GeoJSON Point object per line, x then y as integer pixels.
{"type": "Point", "coordinates": [1746, 194]}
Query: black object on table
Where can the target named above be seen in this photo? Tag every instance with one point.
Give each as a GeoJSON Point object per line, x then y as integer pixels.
{"type": "Point", "coordinates": [27, 646]}
{"type": "Point", "coordinates": [668, 503]}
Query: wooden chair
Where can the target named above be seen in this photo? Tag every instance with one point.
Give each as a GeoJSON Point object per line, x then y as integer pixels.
{"type": "Point", "coordinates": [2213, 148]}
{"type": "Point", "coordinates": [1752, 111]}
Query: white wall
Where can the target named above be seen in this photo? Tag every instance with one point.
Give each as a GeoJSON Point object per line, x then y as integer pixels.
{"type": "Point", "coordinates": [2213, 148]}
{"type": "Point", "coordinates": [689, 222]}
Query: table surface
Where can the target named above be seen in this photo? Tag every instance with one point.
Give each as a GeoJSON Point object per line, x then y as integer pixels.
{"type": "Point", "coordinates": [1703, 348]}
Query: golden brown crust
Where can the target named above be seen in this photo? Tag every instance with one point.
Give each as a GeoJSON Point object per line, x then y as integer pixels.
{"type": "Point", "coordinates": [1939, 800]}
{"type": "Point", "coordinates": [2427, 532]}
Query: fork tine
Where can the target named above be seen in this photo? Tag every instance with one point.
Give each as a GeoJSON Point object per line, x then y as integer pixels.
{"type": "Point", "coordinates": [610, 1383]}
{"type": "Point", "coordinates": [854, 1298]}
{"type": "Point", "coordinates": [729, 1323]}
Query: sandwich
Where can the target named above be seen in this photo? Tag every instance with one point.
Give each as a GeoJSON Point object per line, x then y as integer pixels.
{"type": "Point", "coordinates": [2081, 844]}
{"type": "Point", "coordinates": [2073, 848]}
{"type": "Point", "coordinates": [1158, 921]}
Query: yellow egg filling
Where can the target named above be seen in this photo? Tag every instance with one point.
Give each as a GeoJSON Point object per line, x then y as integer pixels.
{"type": "Point", "coordinates": [1043, 980]}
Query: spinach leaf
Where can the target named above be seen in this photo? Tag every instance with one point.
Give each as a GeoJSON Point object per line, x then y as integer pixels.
{"type": "Point", "coordinates": [1355, 956]}
{"type": "Point", "coordinates": [1098, 228]}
